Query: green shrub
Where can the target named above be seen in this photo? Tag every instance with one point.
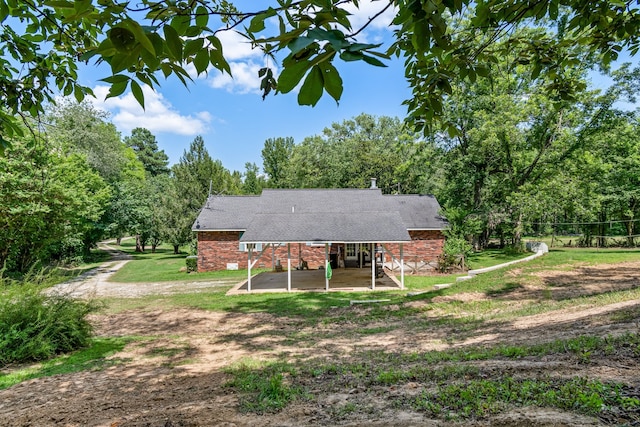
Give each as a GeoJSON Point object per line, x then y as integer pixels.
{"type": "Point", "coordinates": [36, 326]}
{"type": "Point", "coordinates": [192, 263]}
{"type": "Point", "coordinates": [455, 253]}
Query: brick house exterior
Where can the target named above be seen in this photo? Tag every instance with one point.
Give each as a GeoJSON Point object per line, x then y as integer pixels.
{"type": "Point", "coordinates": [302, 221]}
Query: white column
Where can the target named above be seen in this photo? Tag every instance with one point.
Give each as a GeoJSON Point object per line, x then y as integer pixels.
{"type": "Point", "coordinates": [249, 253]}
{"type": "Point", "coordinates": [401, 266]}
{"type": "Point", "coordinates": [289, 267]}
{"type": "Point", "coordinates": [372, 257]}
{"type": "Point", "coordinates": [326, 263]}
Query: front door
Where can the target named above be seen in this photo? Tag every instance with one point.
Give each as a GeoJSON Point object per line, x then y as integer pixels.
{"type": "Point", "coordinates": [353, 251]}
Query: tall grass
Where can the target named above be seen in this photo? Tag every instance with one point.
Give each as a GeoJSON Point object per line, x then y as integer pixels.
{"type": "Point", "coordinates": [37, 326]}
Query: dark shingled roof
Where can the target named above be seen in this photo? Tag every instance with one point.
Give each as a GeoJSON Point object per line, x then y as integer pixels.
{"type": "Point", "coordinates": [419, 212]}
{"type": "Point", "coordinates": [321, 215]}
{"type": "Point", "coordinates": [348, 227]}
{"type": "Point", "coordinates": [226, 213]}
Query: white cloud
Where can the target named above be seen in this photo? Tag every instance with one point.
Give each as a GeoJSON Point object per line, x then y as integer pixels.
{"type": "Point", "coordinates": [235, 47]}
{"type": "Point", "coordinates": [244, 61]}
{"type": "Point", "coordinates": [368, 9]}
{"type": "Point", "coordinates": [158, 115]}
{"type": "Point", "coordinates": [245, 78]}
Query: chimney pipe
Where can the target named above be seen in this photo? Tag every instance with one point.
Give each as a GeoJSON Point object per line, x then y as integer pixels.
{"type": "Point", "coordinates": [373, 184]}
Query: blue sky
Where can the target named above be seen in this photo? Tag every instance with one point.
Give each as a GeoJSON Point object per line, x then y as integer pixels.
{"type": "Point", "coordinates": [232, 117]}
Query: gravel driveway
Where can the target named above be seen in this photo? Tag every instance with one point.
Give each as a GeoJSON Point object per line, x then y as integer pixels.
{"type": "Point", "coordinates": [95, 283]}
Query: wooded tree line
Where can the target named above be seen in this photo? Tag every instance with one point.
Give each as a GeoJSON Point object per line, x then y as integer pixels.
{"type": "Point", "coordinates": [521, 157]}
{"type": "Point", "coordinates": [74, 180]}
{"type": "Point", "coordinates": [519, 164]}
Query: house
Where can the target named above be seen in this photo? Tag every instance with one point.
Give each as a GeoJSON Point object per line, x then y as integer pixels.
{"type": "Point", "coordinates": [342, 227]}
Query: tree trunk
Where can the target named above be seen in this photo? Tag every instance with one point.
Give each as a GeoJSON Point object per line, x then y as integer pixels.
{"type": "Point", "coordinates": [176, 249]}
{"type": "Point", "coordinates": [153, 248]}
{"type": "Point", "coordinates": [602, 242]}
{"type": "Point", "coordinates": [119, 241]}
{"type": "Point", "coordinates": [517, 232]}
{"type": "Point", "coordinates": [139, 247]}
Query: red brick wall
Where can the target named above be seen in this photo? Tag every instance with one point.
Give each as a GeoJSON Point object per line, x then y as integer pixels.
{"type": "Point", "coordinates": [425, 246]}
{"type": "Point", "coordinates": [218, 248]}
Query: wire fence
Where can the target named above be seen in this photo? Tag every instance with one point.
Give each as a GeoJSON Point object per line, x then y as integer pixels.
{"type": "Point", "coordinates": [593, 240]}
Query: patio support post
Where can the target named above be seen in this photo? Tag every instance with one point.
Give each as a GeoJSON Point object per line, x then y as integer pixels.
{"type": "Point", "coordinates": [401, 266]}
{"type": "Point", "coordinates": [326, 266]}
{"type": "Point", "coordinates": [273, 257]}
{"type": "Point", "coordinates": [249, 268]}
{"type": "Point", "coordinates": [372, 257]}
{"type": "Point", "coordinates": [288, 267]}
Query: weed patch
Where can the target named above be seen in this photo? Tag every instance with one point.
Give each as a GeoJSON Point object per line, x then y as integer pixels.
{"type": "Point", "coordinates": [481, 398]}
{"type": "Point", "coordinates": [94, 357]}
{"type": "Point", "coordinates": [267, 387]}
{"type": "Point", "coordinates": [35, 326]}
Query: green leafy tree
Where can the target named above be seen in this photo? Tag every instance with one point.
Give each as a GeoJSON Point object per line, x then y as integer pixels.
{"type": "Point", "coordinates": [81, 128]}
{"type": "Point", "coordinates": [139, 41]}
{"type": "Point", "coordinates": [50, 205]}
{"type": "Point", "coordinates": [275, 160]}
{"type": "Point", "coordinates": [515, 137]}
{"type": "Point", "coordinates": [611, 166]}
{"type": "Point", "coordinates": [195, 176]}
{"type": "Point", "coordinates": [144, 143]}
{"type": "Point", "coordinates": [253, 183]}
{"type": "Point", "coordinates": [175, 218]}
{"type": "Point", "coordinates": [349, 154]}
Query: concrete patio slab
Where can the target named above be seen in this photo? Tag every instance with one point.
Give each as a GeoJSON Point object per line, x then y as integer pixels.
{"type": "Point", "coordinates": [343, 279]}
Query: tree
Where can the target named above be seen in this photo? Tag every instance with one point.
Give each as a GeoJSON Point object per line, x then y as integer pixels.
{"type": "Point", "coordinates": [139, 40]}
{"type": "Point", "coordinates": [175, 218]}
{"type": "Point", "coordinates": [275, 158]}
{"type": "Point", "coordinates": [195, 176]}
{"type": "Point", "coordinates": [349, 154]}
{"type": "Point", "coordinates": [81, 128]}
{"type": "Point", "coordinates": [515, 139]}
{"type": "Point", "coordinates": [144, 143]}
{"type": "Point", "coordinates": [611, 164]}
{"type": "Point", "coordinates": [253, 184]}
{"type": "Point", "coordinates": [50, 205]}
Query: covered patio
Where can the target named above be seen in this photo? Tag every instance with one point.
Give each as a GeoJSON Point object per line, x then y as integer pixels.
{"type": "Point", "coordinates": [343, 279]}
{"type": "Point", "coordinates": [369, 228]}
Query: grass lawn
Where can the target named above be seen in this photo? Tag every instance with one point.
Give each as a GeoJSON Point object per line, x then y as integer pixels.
{"type": "Point", "coordinates": [320, 307]}
{"type": "Point", "coordinates": [164, 266]}
{"type": "Point", "coordinates": [92, 358]}
{"type": "Point", "coordinates": [455, 384]}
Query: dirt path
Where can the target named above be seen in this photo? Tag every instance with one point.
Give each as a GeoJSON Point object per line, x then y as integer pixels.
{"type": "Point", "coordinates": [176, 375]}
{"type": "Point", "coordinates": [96, 284]}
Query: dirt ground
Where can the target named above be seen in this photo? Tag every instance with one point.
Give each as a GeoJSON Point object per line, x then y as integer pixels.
{"type": "Point", "coordinates": [176, 377]}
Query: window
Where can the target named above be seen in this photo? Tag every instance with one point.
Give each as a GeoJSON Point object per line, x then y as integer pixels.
{"type": "Point", "coordinates": [315, 245]}
{"type": "Point", "coordinates": [242, 247]}
{"type": "Point", "coordinates": [351, 250]}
